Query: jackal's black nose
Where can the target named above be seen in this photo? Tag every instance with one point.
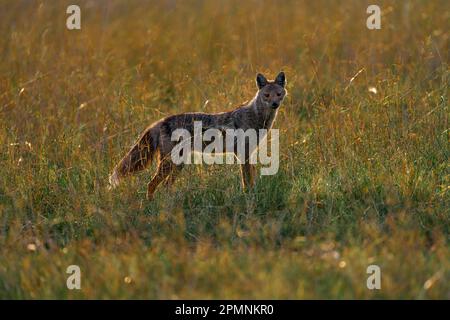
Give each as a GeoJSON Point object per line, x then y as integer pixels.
{"type": "Point", "coordinates": [275, 104]}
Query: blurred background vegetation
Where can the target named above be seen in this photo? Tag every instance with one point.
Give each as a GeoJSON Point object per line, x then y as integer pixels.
{"type": "Point", "coordinates": [364, 171]}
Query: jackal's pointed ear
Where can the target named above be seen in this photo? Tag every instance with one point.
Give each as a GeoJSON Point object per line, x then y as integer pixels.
{"type": "Point", "coordinates": [281, 79]}
{"type": "Point", "coordinates": [261, 81]}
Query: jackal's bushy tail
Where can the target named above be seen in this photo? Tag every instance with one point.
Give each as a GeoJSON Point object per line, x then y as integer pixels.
{"type": "Point", "coordinates": [139, 156]}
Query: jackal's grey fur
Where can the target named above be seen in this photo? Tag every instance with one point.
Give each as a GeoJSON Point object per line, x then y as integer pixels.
{"type": "Point", "coordinates": [259, 113]}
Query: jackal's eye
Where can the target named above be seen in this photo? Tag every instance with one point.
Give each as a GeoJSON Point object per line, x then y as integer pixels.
{"type": "Point", "coordinates": [266, 95]}
{"type": "Point", "coordinates": [279, 94]}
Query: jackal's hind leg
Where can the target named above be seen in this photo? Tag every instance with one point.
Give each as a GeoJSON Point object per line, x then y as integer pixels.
{"type": "Point", "coordinates": [248, 172]}
{"type": "Point", "coordinates": [165, 167]}
{"type": "Point", "coordinates": [170, 180]}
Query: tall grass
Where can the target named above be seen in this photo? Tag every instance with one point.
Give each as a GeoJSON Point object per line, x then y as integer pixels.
{"type": "Point", "coordinates": [364, 177]}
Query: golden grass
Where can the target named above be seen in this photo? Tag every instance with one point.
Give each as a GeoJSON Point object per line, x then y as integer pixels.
{"type": "Point", "coordinates": [363, 180]}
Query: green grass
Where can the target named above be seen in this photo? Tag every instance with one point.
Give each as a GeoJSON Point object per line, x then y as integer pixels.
{"type": "Point", "coordinates": [364, 178]}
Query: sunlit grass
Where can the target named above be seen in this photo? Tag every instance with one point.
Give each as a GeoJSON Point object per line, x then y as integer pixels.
{"type": "Point", "coordinates": [364, 173]}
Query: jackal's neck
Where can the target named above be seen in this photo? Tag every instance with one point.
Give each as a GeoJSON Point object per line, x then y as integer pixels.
{"type": "Point", "coordinates": [264, 115]}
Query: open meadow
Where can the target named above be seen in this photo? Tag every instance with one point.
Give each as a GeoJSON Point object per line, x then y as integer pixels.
{"type": "Point", "coordinates": [364, 174]}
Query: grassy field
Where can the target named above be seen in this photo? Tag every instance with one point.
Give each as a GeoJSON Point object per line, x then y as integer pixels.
{"type": "Point", "coordinates": [364, 174]}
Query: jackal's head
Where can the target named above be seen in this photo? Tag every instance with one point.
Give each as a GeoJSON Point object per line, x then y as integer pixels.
{"type": "Point", "coordinates": [271, 93]}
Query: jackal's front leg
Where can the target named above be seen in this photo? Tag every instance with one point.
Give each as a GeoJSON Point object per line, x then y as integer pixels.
{"type": "Point", "coordinates": [248, 172]}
